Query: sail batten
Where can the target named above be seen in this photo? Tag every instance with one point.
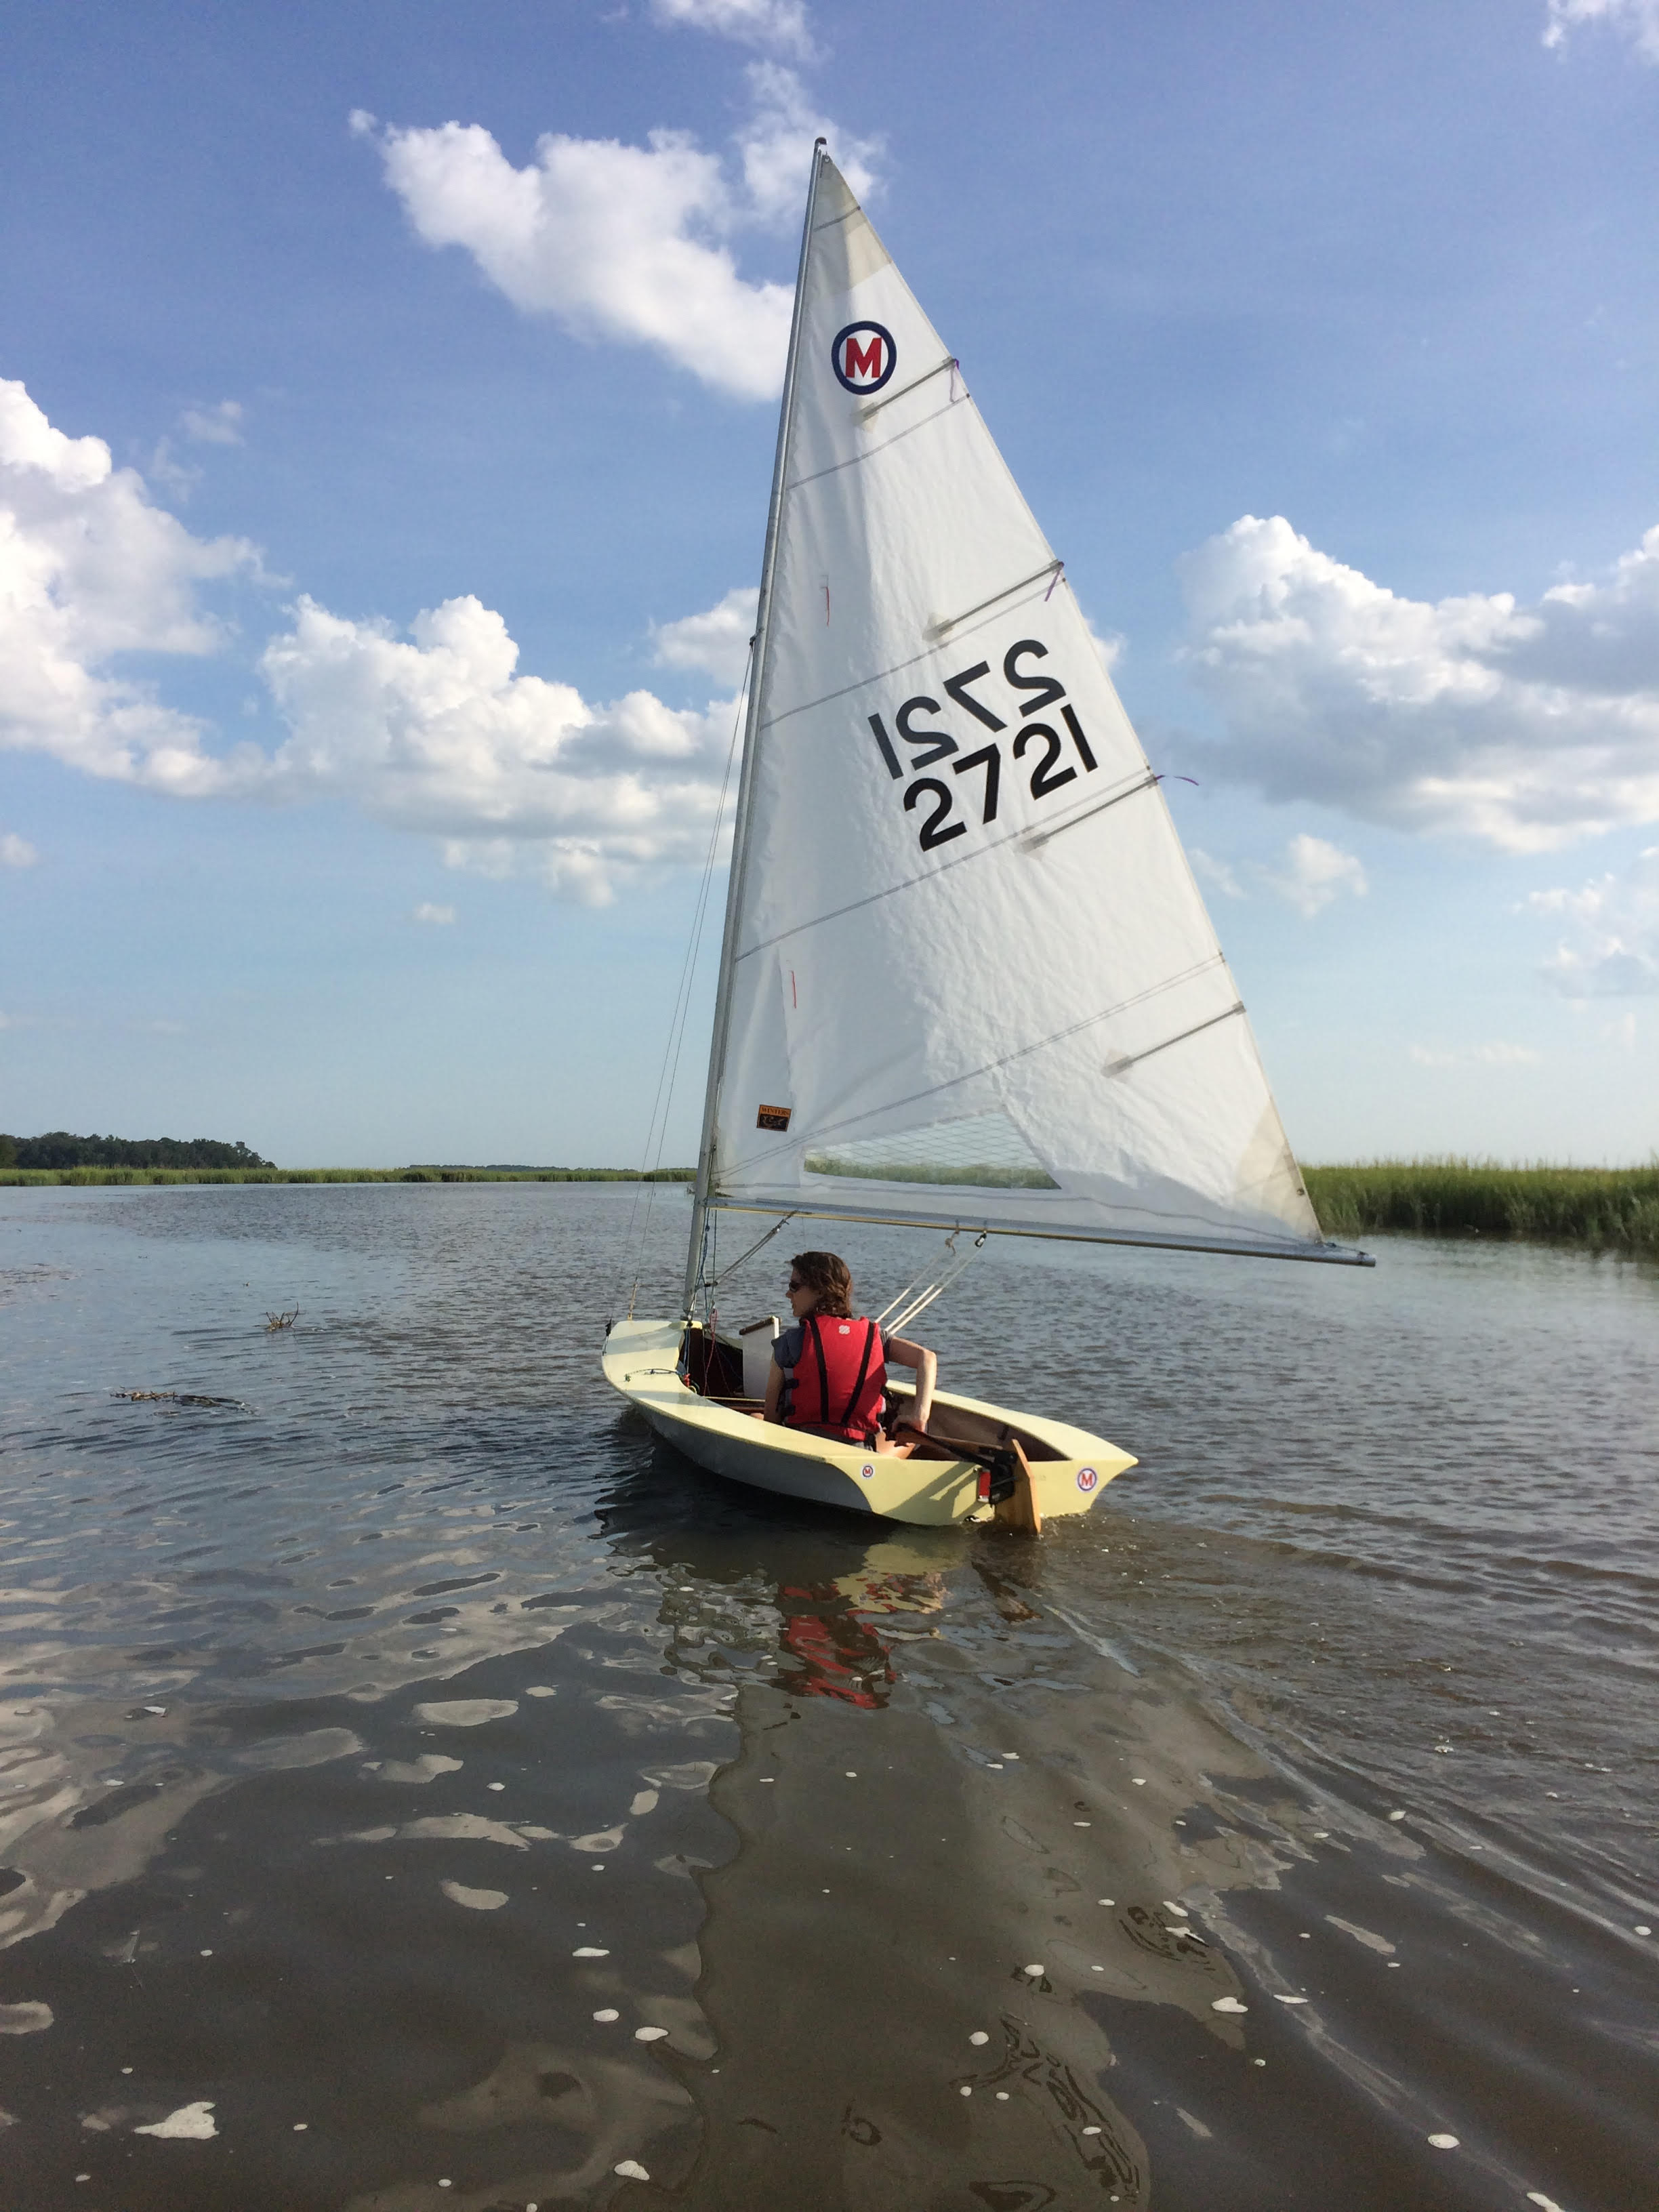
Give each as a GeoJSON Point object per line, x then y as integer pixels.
{"type": "Point", "coordinates": [895, 1024]}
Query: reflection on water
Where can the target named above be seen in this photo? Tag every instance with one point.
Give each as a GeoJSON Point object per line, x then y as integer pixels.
{"type": "Point", "coordinates": [421, 1789]}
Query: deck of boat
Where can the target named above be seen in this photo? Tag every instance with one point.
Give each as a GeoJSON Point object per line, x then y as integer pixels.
{"type": "Point", "coordinates": [1069, 1466]}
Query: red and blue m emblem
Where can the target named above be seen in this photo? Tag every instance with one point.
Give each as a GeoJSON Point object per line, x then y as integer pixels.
{"type": "Point", "coordinates": [864, 356]}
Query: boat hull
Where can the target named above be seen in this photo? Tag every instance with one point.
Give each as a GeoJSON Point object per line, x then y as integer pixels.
{"type": "Point", "coordinates": [640, 1361]}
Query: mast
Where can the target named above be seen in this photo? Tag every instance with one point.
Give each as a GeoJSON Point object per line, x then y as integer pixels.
{"type": "Point", "coordinates": [747, 773]}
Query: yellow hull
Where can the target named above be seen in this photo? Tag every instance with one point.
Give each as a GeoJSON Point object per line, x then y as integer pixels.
{"type": "Point", "coordinates": [640, 1361]}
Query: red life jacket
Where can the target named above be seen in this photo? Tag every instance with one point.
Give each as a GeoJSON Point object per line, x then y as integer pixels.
{"type": "Point", "coordinates": [840, 1378]}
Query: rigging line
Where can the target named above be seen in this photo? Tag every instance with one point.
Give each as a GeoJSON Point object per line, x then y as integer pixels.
{"type": "Point", "coordinates": [864, 682]}
{"type": "Point", "coordinates": [1021, 1052]}
{"type": "Point", "coordinates": [1022, 836]}
{"type": "Point", "coordinates": [683, 995]}
{"type": "Point", "coordinates": [874, 406]}
{"type": "Point", "coordinates": [713, 1282]}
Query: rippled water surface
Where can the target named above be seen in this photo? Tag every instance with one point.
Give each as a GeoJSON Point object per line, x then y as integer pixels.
{"type": "Point", "coordinates": [420, 1788]}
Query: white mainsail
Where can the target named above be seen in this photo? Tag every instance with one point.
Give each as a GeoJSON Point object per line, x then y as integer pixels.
{"type": "Point", "coordinates": [968, 977]}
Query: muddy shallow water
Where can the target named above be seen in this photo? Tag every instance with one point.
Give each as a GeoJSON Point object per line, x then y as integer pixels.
{"type": "Point", "coordinates": [420, 1788]}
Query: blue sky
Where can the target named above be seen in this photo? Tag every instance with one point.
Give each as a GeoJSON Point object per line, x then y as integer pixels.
{"type": "Point", "coordinates": [388, 394]}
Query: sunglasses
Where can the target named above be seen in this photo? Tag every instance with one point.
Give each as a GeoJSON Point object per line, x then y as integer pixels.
{"type": "Point", "coordinates": [794, 1286]}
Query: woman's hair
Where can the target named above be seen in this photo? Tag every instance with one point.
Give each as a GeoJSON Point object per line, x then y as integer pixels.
{"type": "Point", "coordinates": [827, 1275]}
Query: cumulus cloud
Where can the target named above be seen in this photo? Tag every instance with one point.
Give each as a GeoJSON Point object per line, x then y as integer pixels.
{"type": "Point", "coordinates": [1612, 945]}
{"type": "Point", "coordinates": [16, 852]}
{"type": "Point", "coordinates": [1309, 874]}
{"type": "Point", "coordinates": [442, 916]}
{"type": "Point", "coordinates": [629, 243]}
{"type": "Point", "coordinates": [90, 569]}
{"type": "Point", "coordinates": [437, 731]}
{"type": "Point", "coordinates": [779, 25]}
{"type": "Point", "coordinates": [717, 643]}
{"type": "Point", "coordinates": [1528, 726]}
{"type": "Point", "coordinates": [441, 733]}
{"type": "Point", "coordinates": [1636, 20]}
{"type": "Point", "coordinates": [1474, 1055]}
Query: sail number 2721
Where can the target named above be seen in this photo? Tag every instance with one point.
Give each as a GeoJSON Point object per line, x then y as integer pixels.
{"type": "Point", "coordinates": [1038, 751]}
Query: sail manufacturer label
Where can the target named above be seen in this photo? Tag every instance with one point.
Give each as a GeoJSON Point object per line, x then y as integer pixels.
{"type": "Point", "coordinates": [774, 1117]}
{"type": "Point", "coordinates": [864, 357]}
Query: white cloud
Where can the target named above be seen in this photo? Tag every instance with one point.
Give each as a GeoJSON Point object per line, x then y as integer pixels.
{"type": "Point", "coordinates": [1313, 872]}
{"type": "Point", "coordinates": [16, 852]}
{"type": "Point", "coordinates": [717, 642]}
{"type": "Point", "coordinates": [1612, 948]}
{"type": "Point", "coordinates": [1310, 873]}
{"type": "Point", "coordinates": [627, 243]}
{"type": "Point", "coordinates": [443, 735]}
{"type": "Point", "coordinates": [779, 25]}
{"type": "Point", "coordinates": [443, 916]}
{"type": "Point", "coordinates": [214, 426]}
{"type": "Point", "coordinates": [1528, 726]}
{"type": "Point", "coordinates": [1475, 1055]}
{"type": "Point", "coordinates": [1637, 20]}
{"type": "Point", "coordinates": [90, 569]}
{"type": "Point", "coordinates": [437, 732]}
{"type": "Point", "coordinates": [1216, 873]}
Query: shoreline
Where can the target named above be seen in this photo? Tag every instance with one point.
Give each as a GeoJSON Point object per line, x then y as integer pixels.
{"type": "Point", "coordinates": [1600, 1209]}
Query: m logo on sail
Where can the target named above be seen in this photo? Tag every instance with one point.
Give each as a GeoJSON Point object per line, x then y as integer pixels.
{"type": "Point", "coordinates": [864, 356]}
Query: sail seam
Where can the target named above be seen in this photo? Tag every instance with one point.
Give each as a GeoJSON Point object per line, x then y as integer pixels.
{"type": "Point", "coordinates": [824, 698]}
{"type": "Point", "coordinates": [1147, 782]}
{"type": "Point", "coordinates": [1168, 1240]}
{"type": "Point", "coordinates": [1115, 1067]}
{"type": "Point", "coordinates": [874, 406]}
{"type": "Point", "coordinates": [937, 629]}
{"type": "Point", "coordinates": [857, 460]}
{"type": "Point", "coordinates": [1021, 1052]}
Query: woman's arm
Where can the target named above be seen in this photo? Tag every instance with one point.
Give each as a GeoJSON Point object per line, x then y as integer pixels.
{"type": "Point", "coordinates": [773, 1392]}
{"type": "Point", "coordinates": [926, 1363]}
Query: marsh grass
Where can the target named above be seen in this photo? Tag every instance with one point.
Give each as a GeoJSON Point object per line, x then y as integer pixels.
{"type": "Point", "coordinates": [1611, 1209]}
{"type": "Point", "coordinates": [9, 1176]}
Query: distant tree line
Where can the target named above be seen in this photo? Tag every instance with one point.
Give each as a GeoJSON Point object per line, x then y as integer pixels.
{"type": "Point", "coordinates": [58, 1149]}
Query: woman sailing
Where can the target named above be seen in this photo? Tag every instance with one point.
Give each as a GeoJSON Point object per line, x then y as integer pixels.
{"type": "Point", "coordinates": [828, 1373]}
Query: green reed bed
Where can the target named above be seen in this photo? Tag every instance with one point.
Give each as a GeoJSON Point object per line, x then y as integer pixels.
{"type": "Point", "coordinates": [14, 1176]}
{"type": "Point", "coordinates": [1612, 1209]}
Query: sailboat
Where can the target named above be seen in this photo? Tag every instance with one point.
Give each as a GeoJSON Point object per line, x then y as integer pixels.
{"type": "Point", "coordinates": [967, 980]}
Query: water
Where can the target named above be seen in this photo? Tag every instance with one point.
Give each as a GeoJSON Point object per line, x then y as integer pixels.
{"type": "Point", "coordinates": [492, 1736]}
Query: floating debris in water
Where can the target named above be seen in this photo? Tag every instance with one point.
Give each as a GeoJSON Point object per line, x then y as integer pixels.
{"type": "Point", "coordinates": [630, 2170]}
{"type": "Point", "coordinates": [1642, 1929]}
{"type": "Point", "coordinates": [1092, 2132]}
{"type": "Point", "coordinates": [190, 2123]}
{"type": "Point", "coordinates": [1169, 1905]}
{"type": "Point", "coordinates": [964, 2090]}
{"type": "Point", "coordinates": [649, 2034]}
{"type": "Point", "coordinates": [1284, 1999]}
{"type": "Point", "coordinates": [1544, 2204]}
{"type": "Point", "coordinates": [1396, 1816]}
{"type": "Point", "coordinates": [590, 1951]}
{"type": "Point", "coordinates": [1227, 2004]}
{"type": "Point", "coordinates": [541, 1690]}
{"type": "Point", "coordinates": [1140, 1781]}
{"type": "Point", "coordinates": [609, 2014]}
{"type": "Point", "coordinates": [27, 2018]}
{"type": "Point", "coordinates": [496, 1785]}
{"type": "Point", "coordinates": [1034, 1972]}
{"type": "Point", "coordinates": [1443, 2142]}
{"type": "Point", "coordinates": [979, 2036]}
{"type": "Point", "coordinates": [476, 1900]}
{"type": "Point", "coordinates": [466, 1712]}
{"type": "Point", "coordinates": [1002, 2096]}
